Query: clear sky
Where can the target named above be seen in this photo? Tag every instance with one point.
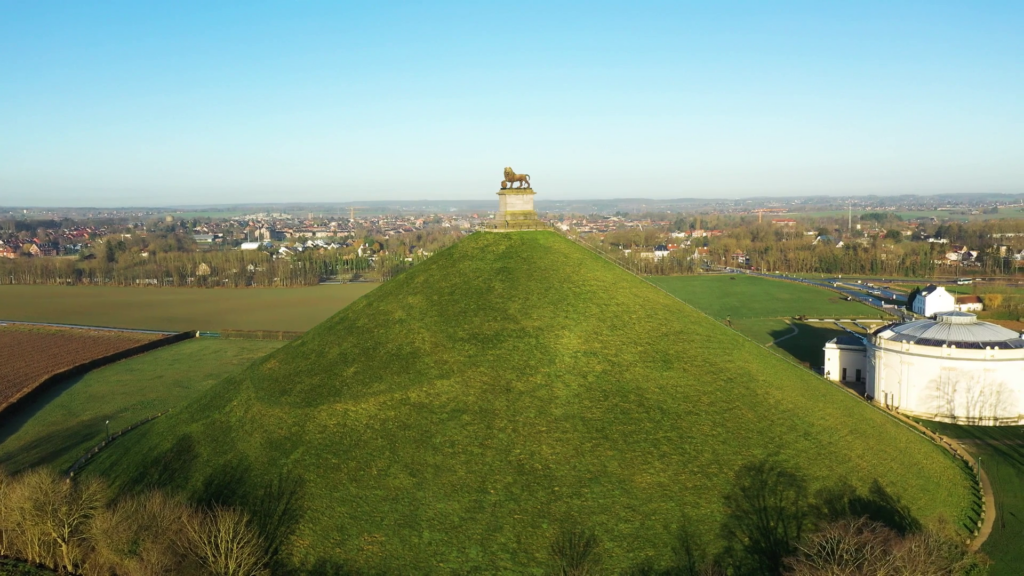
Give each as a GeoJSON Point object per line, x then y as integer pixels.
{"type": "Point", "coordinates": [159, 103]}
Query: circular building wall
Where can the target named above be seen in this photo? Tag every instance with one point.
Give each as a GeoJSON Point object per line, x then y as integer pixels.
{"type": "Point", "coordinates": [952, 369]}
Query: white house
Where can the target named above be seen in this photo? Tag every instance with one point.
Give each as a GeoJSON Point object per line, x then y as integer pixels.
{"type": "Point", "coordinates": [934, 300]}
{"type": "Point", "coordinates": [969, 304]}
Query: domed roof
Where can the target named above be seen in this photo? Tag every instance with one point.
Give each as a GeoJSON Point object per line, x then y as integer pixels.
{"type": "Point", "coordinates": [960, 329]}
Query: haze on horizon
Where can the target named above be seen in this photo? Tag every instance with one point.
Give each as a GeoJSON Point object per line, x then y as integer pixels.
{"type": "Point", "coordinates": [113, 104]}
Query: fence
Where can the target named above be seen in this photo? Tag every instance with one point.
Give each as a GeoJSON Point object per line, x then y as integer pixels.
{"type": "Point", "coordinates": [97, 448]}
{"type": "Point", "coordinates": [251, 335]}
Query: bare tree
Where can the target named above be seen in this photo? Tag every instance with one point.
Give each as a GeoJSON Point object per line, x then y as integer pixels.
{"type": "Point", "coordinates": [846, 548]}
{"type": "Point", "coordinates": [138, 536]}
{"type": "Point", "coordinates": [69, 509]}
{"type": "Point", "coordinates": [860, 547]}
{"type": "Point", "coordinates": [6, 513]}
{"type": "Point", "coordinates": [30, 496]}
{"type": "Point", "coordinates": [224, 541]}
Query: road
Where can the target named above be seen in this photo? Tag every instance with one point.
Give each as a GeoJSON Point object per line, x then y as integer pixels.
{"type": "Point", "coordinates": [3, 322]}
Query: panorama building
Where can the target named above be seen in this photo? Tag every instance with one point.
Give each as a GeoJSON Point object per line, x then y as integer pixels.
{"type": "Point", "coordinates": [953, 368]}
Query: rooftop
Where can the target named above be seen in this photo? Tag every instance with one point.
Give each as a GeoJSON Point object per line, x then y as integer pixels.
{"type": "Point", "coordinates": [960, 329]}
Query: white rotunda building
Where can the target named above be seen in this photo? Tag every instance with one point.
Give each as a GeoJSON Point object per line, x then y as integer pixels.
{"type": "Point", "coordinates": [952, 369]}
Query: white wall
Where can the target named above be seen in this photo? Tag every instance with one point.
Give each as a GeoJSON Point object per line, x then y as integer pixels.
{"type": "Point", "coordinates": [934, 303]}
{"type": "Point", "coordinates": [839, 357]}
{"type": "Point", "coordinates": [948, 384]}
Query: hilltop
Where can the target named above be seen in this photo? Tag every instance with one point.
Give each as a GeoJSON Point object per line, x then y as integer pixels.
{"type": "Point", "coordinates": [455, 418]}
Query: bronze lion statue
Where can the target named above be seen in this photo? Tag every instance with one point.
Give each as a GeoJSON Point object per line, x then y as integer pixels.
{"type": "Point", "coordinates": [511, 177]}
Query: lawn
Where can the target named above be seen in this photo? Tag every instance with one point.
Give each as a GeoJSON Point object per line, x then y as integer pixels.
{"type": "Point", "coordinates": [746, 297]}
{"type": "Point", "coordinates": [1001, 449]}
{"type": "Point", "coordinates": [291, 309]}
{"type": "Point", "coordinates": [806, 347]}
{"type": "Point", "coordinates": [513, 386]}
{"type": "Point", "coordinates": [69, 419]}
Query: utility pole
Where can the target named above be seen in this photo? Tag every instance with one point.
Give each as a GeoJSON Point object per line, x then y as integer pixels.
{"type": "Point", "coordinates": [849, 222]}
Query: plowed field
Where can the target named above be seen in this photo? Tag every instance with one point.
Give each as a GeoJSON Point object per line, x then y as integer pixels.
{"type": "Point", "coordinates": [30, 354]}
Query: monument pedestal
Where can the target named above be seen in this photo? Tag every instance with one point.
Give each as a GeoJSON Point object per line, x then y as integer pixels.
{"type": "Point", "coordinates": [515, 210]}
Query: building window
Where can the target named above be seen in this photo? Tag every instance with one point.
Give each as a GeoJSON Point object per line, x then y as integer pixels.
{"type": "Point", "coordinates": [844, 375]}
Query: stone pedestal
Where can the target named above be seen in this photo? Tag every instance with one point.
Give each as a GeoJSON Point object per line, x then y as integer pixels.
{"type": "Point", "coordinates": [515, 210]}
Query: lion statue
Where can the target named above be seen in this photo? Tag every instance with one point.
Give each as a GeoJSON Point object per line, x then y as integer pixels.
{"type": "Point", "coordinates": [511, 177]}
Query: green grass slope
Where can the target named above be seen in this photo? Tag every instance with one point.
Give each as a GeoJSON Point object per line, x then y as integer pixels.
{"type": "Point", "coordinates": [457, 417]}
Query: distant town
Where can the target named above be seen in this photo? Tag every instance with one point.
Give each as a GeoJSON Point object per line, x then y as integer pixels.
{"type": "Point", "coordinates": [913, 236]}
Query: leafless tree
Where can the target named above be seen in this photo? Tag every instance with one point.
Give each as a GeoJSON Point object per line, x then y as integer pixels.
{"type": "Point", "coordinates": [859, 547]}
{"type": "Point", "coordinates": [224, 541]}
{"type": "Point", "coordinates": [138, 536]}
{"type": "Point", "coordinates": [30, 497]}
{"type": "Point", "coordinates": [6, 513]}
{"type": "Point", "coordinates": [71, 508]}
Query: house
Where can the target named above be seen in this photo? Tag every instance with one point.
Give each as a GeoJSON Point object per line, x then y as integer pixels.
{"type": "Point", "coordinates": [7, 252]}
{"type": "Point", "coordinates": [968, 304]}
{"type": "Point", "coordinates": [783, 222]}
{"type": "Point", "coordinates": [740, 257]}
{"type": "Point", "coordinates": [933, 300]}
{"type": "Point", "coordinates": [660, 251]}
{"type": "Point", "coordinates": [700, 254]}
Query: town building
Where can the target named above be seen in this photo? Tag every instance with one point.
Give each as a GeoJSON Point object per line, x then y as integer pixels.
{"type": "Point", "coordinates": [933, 300]}
{"type": "Point", "coordinates": [968, 304]}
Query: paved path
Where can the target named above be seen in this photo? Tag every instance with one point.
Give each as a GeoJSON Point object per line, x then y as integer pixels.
{"type": "Point", "coordinates": [990, 513]}
{"type": "Point", "coordinates": [790, 335]}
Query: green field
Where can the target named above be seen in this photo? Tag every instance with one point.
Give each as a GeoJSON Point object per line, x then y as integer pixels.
{"type": "Point", "coordinates": [514, 386]}
{"type": "Point", "coordinates": [62, 425]}
{"type": "Point", "coordinates": [747, 297]}
{"type": "Point", "coordinates": [1001, 449]}
{"type": "Point", "coordinates": [290, 309]}
{"type": "Point", "coordinates": [755, 307]}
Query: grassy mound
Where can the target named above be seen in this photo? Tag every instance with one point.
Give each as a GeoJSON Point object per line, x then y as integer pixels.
{"type": "Point", "coordinates": [514, 385]}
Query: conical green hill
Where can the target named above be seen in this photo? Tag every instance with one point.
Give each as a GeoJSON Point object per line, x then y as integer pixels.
{"type": "Point", "coordinates": [457, 417]}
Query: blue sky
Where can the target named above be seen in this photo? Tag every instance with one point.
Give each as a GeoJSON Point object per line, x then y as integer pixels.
{"type": "Point", "coordinates": [158, 103]}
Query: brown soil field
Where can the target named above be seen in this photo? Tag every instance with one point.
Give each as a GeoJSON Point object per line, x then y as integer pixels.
{"type": "Point", "coordinates": [1011, 324]}
{"type": "Point", "coordinates": [29, 354]}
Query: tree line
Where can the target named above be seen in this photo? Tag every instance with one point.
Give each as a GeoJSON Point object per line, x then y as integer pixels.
{"type": "Point", "coordinates": [119, 263]}
{"type": "Point", "coordinates": [745, 242]}
{"type": "Point", "coordinates": [73, 527]}
{"type": "Point", "coordinates": [773, 525]}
